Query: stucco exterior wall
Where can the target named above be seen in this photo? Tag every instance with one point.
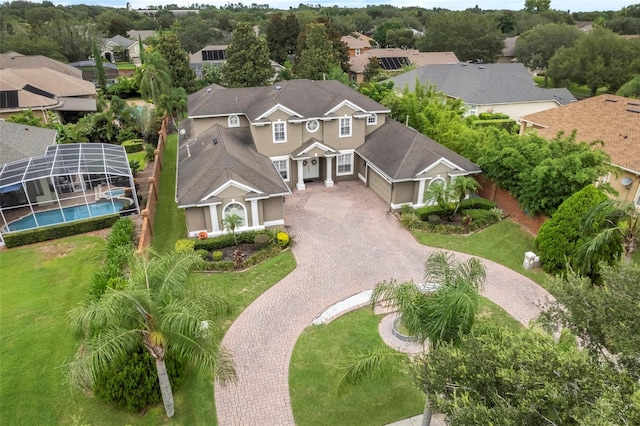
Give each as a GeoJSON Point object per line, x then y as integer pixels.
{"type": "Point", "coordinates": [631, 194]}
{"type": "Point", "coordinates": [517, 110]}
{"type": "Point", "coordinates": [195, 217]}
{"type": "Point", "coordinates": [272, 209]}
{"type": "Point", "coordinates": [403, 192]}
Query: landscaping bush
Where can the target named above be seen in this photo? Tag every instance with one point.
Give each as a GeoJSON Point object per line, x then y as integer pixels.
{"type": "Point", "coordinates": [117, 252]}
{"type": "Point", "coordinates": [217, 256]}
{"type": "Point", "coordinates": [132, 145]}
{"type": "Point", "coordinates": [479, 217]}
{"type": "Point", "coordinates": [204, 254]}
{"type": "Point", "coordinates": [220, 266]}
{"type": "Point", "coordinates": [406, 208]}
{"type": "Point", "coordinates": [283, 239]}
{"type": "Point", "coordinates": [409, 220]}
{"type": "Point", "coordinates": [562, 234]}
{"type": "Point", "coordinates": [184, 245]}
{"type": "Point", "coordinates": [149, 153]}
{"type": "Point", "coordinates": [262, 240]}
{"type": "Point", "coordinates": [32, 236]}
{"type": "Point", "coordinates": [507, 124]}
{"type": "Point", "coordinates": [426, 211]}
{"type": "Point", "coordinates": [477, 203]}
{"type": "Point", "coordinates": [132, 381]}
{"type": "Point", "coordinates": [227, 240]}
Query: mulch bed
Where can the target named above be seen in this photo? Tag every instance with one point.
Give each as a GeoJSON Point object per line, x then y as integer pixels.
{"type": "Point", "coordinates": [228, 253]}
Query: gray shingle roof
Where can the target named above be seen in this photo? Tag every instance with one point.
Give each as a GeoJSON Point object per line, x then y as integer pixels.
{"type": "Point", "coordinates": [306, 97]}
{"type": "Point", "coordinates": [19, 141]}
{"type": "Point", "coordinates": [217, 156]}
{"type": "Point", "coordinates": [483, 84]}
{"type": "Point", "coordinates": [119, 41]}
{"type": "Point", "coordinates": [402, 152]}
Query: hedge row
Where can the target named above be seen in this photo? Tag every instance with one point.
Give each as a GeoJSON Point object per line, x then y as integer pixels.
{"type": "Point", "coordinates": [133, 147]}
{"type": "Point", "coordinates": [468, 204]}
{"type": "Point", "coordinates": [226, 240]}
{"type": "Point", "coordinates": [16, 239]}
{"type": "Point", "coordinates": [506, 124]}
{"type": "Point", "coordinates": [118, 250]}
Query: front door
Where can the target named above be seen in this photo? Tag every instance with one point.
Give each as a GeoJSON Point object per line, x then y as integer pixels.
{"type": "Point", "coordinates": [311, 170]}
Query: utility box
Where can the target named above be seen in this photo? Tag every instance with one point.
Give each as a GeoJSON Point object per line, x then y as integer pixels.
{"type": "Point", "coordinates": [530, 260]}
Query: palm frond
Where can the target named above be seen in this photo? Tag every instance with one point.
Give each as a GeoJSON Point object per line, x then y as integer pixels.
{"type": "Point", "coordinates": [169, 273]}
{"type": "Point", "coordinates": [375, 362]}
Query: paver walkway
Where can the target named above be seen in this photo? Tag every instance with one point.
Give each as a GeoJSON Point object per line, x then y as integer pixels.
{"type": "Point", "coordinates": [345, 243]}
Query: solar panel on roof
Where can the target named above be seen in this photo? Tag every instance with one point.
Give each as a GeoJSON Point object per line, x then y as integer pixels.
{"type": "Point", "coordinates": [395, 63]}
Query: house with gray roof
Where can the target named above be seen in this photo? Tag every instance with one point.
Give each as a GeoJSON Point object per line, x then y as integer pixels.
{"type": "Point", "coordinates": [241, 151]}
{"type": "Point", "coordinates": [19, 141]}
{"type": "Point", "coordinates": [504, 88]}
{"type": "Point", "coordinates": [122, 49]}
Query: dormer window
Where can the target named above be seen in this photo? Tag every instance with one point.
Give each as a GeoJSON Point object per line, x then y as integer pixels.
{"type": "Point", "coordinates": [345, 127]}
{"type": "Point", "coordinates": [357, 51]}
{"type": "Point", "coordinates": [234, 121]}
{"type": "Point", "coordinates": [312, 126]}
{"type": "Point", "coordinates": [279, 132]}
{"type": "Point", "coordinates": [372, 120]}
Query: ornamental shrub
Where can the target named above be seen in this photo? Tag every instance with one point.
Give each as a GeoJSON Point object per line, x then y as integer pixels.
{"type": "Point", "coordinates": [477, 203]}
{"type": "Point", "coordinates": [184, 245]}
{"type": "Point", "coordinates": [262, 240]}
{"type": "Point", "coordinates": [561, 235]}
{"type": "Point", "coordinates": [131, 381]}
{"type": "Point", "coordinates": [426, 211]}
{"type": "Point", "coordinates": [283, 238]}
{"type": "Point", "coordinates": [226, 240]}
{"type": "Point", "coordinates": [217, 256]}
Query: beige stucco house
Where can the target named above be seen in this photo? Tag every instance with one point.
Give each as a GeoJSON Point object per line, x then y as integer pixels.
{"type": "Point", "coordinates": [613, 120]}
{"type": "Point", "coordinates": [243, 150]}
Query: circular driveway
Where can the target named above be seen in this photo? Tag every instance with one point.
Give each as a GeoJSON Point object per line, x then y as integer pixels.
{"type": "Point", "coordinates": [345, 242]}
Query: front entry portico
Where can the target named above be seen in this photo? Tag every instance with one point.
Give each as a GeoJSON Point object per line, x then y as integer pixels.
{"type": "Point", "coordinates": [312, 159]}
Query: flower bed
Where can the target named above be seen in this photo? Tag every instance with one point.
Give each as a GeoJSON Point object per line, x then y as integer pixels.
{"type": "Point", "coordinates": [474, 214]}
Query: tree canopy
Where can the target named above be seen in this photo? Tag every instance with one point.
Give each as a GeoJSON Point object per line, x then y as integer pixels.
{"type": "Point", "coordinates": [247, 59]}
{"type": "Point", "coordinates": [182, 75]}
{"type": "Point", "coordinates": [317, 55]}
{"type": "Point", "coordinates": [282, 36]}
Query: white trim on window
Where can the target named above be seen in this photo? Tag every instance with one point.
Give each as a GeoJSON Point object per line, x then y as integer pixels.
{"type": "Point", "coordinates": [344, 127]}
{"type": "Point", "coordinates": [344, 163]}
{"type": "Point", "coordinates": [279, 130]}
{"type": "Point", "coordinates": [234, 121]}
{"type": "Point", "coordinates": [310, 126]}
{"type": "Point", "coordinates": [357, 51]}
{"type": "Point", "coordinates": [282, 166]}
{"type": "Point", "coordinates": [372, 119]}
{"type": "Point", "coordinates": [241, 211]}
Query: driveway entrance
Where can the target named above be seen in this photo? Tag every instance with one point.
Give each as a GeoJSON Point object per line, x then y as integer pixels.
{"type": "Point", "coordinates": [345, 242]}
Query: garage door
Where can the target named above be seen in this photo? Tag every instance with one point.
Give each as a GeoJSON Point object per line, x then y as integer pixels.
{"type": "Point", "coordinates": [379, 186]}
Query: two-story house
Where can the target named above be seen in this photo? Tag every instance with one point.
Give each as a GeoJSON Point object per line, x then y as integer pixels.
{"type": "Point", "coordinates": [241, 151]}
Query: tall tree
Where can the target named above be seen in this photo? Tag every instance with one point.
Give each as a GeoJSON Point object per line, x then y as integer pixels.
{"type": "Point", "coordinates": [537, 6]}
{"type": "Point", "coordinates": [247, 59]}
{"type": "Point", "coordinates": [535, 47]}
{"type": "Point", "coordinates": [463, 186]}
{"type": "Point", "coordinates": [381, 31]}
{"type": "Point", "coordinates": [372, 70]}
{"type": "Point", "coordinates": [318, 55]}
{"type": "Point", "coordinates": [154, 80]}
{"type": "Point", "coordinates": [402, 38]}
{"type": "Point", "coordinates": [282, 36]}
{"type": "Point", "coordinates": [157, 309]}
{"type": "Point", "coordinates": [174, 104]}
{"type": "Point", "coordinates": [182, 75]}
{"type": "Point", "coordinates": [100, 74]}
{"type": "Point", "coordinates": [631, 89]}
{"type": "Point", "coordinates": [434, 317]}
{"type": "Point", "coordinates": [600, 58]}
{"type": "Point", "coordinates": [469, 35]}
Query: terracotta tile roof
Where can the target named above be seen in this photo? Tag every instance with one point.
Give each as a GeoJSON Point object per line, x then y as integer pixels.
{"type": "Point", "coordinates": [356, 43]}
{"type": "Point", "coordinates": [615, 120]}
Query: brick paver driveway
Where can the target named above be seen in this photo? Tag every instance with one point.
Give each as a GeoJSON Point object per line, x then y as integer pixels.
{"type": "Point", "coordinates": [345, 243]}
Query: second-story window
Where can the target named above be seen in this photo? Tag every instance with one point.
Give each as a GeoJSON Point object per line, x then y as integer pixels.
{"type": "Point", "coordinates": [372, 120]}
{"type": "Point", "coordinates": [234, 121]}
{"type": "Point", "coordinates": [279, 132]}
{"type": "Point", "coordinates": [345, 127]}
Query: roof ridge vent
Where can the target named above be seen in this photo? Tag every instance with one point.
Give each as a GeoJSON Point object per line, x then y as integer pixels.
{"type": "Point", "coordinates": [278, 87]}
{"type": "Point", "coordinates": [637, 111]}
{"type": "Point", "coordinates": [634, 103]}
{"type": "Point", "coordinates": [610, 100]}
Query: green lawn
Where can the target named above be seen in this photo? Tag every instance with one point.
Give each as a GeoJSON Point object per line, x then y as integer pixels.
{"type": "Point", "coordinates": [314, 373]}
{"type": "Point", "coordinates": [579, 91]}
{"type": "Point", "coordinates": [169, 224]}
{"type": "Point", "coordinates": [140, 157]}
{"type": "Point", "coordinates": [39, 285]}
{"type": "Point", "coordinates": [504, 243]}
{"type": "Point", "coordinates": [125, 66]}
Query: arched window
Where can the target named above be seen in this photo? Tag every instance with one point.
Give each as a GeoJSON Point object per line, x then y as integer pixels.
{"type": "Point", "coordinates": [237, 209]}
{"type": "Point", "coordinates": [234, 121]}
{"type": "Point", "coordinates": [438, 180]}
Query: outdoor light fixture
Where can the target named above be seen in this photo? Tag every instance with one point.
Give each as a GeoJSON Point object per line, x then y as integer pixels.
{"type": "Point", "coordinates": [627, 182]}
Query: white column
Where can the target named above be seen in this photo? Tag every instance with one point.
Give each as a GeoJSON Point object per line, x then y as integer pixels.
{"type": "Point", "coordinates": [300, 185]}
{"type": "Point", "coordinates": [329, 177]}
{"type": "Point", "coordinates": [213, 212]}
{"type": "Point", "coordinates": [421, 191]}
{"type": "Point", "coordinates": [254, 213]}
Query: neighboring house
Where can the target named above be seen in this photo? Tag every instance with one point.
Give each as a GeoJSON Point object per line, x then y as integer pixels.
{"type": "Point", "coordinates": [505, 88]}
{"type": "Point", "coordinates": [42, 89]}
{"type": "Point", "coordinates": [585, 26]}
{"type": "Point", "coordinates": [394, 59]}
{"type": "Point", "coordinates": [358, 43]}
{"type": "Point", "coordinates": [89, 73]}
{"type": "Point", "coordinates": [119, 48]}
{"type": "Point", "coordinates": [13, 60]}
{"type": "Point", "coordinates": [508, 54]}
{"type": "Point", "coordinates": [611, 119]}
{"type": "Point", "coordinates": [241, 151]}
{"type": "Point", "coordinates": [19, 141]}
{"type": "Point", "coordinates": [212, 54]}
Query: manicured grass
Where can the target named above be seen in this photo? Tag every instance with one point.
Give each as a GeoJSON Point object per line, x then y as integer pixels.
{"type": "Point", "coordinates": [140, 157]}
{"type": "Point", "coordinates": [504, 243]}
{"type": "Point", "coordinates": [125, 66]}
{"type": "Point", "coordinates": [314, 375]}
{"type": "Point", "coordinates": [578, 91]}
{"type": "Point", "coordinates": [169, 224]}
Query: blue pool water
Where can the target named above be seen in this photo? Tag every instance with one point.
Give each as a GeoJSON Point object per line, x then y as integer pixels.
{"type": "Point", "coordinates": [53, 217]}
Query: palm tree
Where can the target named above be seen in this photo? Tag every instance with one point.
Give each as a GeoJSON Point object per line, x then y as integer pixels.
{"type": "Point", "coordinates": [442, 195]}
{"type": "Point", "coordinates": [174, 104]}
{"type": "Point", "coordinates": [154, 79]}
{"type": "Point", "coordinates": [462, 187]}
{"type": "Point", "coordinates": [154, 308]}
{"type": "Point", "coordinates": [619, 220]}
{"type": "Point", "coordinates": [231, 222]}
{"type": "Point", "coordinates": [433, 317]}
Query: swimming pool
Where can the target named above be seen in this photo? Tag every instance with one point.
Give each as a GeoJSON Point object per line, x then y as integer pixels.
{"type": "Point", "coordinates": [53, 217]}
{"type": "Point", "coordinates": [114, 193]}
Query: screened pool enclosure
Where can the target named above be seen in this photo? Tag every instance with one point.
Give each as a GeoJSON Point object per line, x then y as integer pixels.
{"type": "Point", "coordinates": [70, 182]}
